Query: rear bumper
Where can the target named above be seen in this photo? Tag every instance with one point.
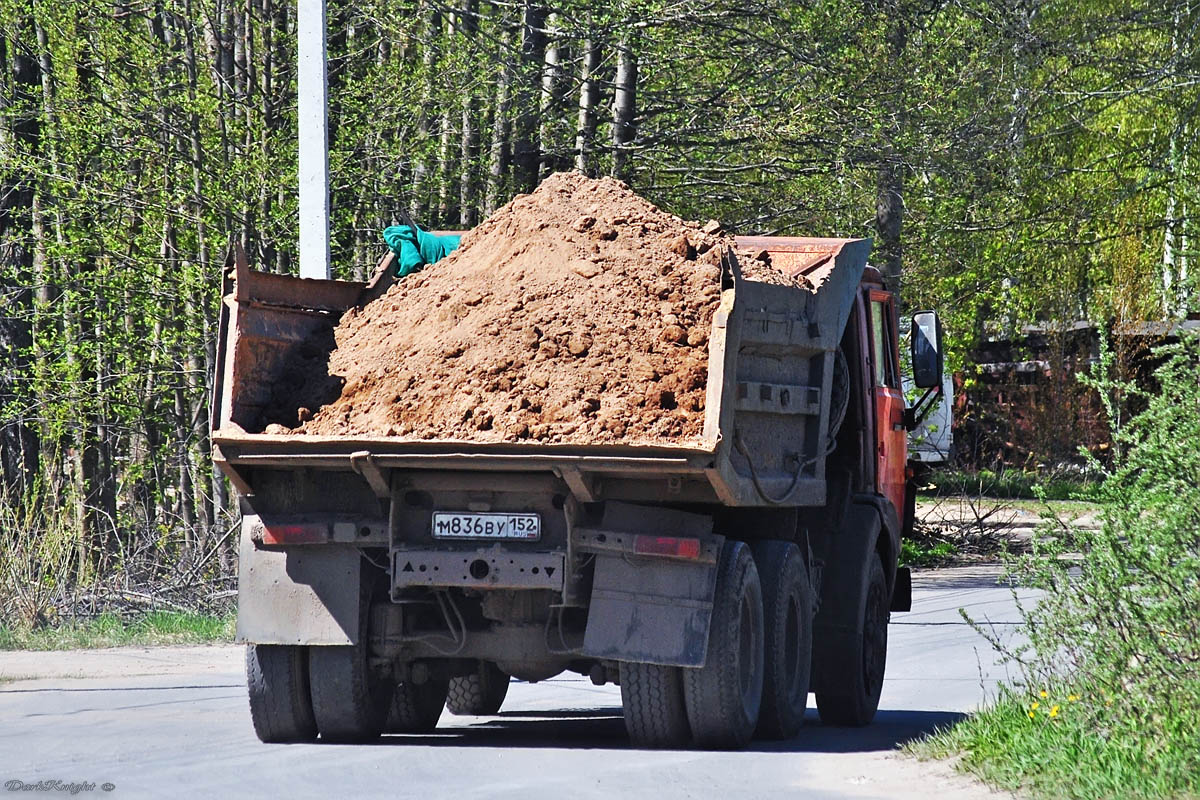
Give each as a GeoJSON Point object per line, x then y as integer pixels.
{"type": "Point", "coordinates": [482, 568]}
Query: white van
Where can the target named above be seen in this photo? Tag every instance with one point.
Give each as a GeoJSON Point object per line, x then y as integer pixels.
{"type": "Point", "coordinates": [931, 441]}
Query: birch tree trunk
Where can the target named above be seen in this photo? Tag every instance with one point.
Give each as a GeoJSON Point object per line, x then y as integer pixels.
{"type": "Point", "coordinates": [499, 155]}
{"type": "Point", "coordinates": [449, 143]}
{"type": "Point", "coordinates": [548, 106]}
{"type": "Point", "coordinates": [589, 98]}
{"type": "Point", "coordinates": [419, 205]}
{"type": "Point", "coordinates": [624, 108]}
{"type": "Point", "coordinates": [468, 185]}
{"type": "Point", "coordinates": [526, 154]}
{"type": "Point", "coordinates": [1175, 283]}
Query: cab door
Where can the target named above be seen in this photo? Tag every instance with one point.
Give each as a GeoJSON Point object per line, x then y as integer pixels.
{"type": "Point", "coordinates": [891, 440]}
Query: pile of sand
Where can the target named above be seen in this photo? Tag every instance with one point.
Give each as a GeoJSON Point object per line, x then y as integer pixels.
{"type": "Point", "coordinates": [579, 313]}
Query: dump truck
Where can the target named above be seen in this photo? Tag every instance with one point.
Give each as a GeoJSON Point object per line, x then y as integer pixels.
{"type": "Point", "coordinates": [718, 581]}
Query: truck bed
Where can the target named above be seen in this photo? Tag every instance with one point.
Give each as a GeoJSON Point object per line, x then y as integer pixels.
{"type": "Point", "coordinates": [770, 381]}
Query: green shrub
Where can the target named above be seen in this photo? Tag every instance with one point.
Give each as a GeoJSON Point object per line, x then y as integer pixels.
{"type": "Point", "coordinates": [38, 555]}
{"type": "Point", "coordinates": [1114, 642]}
{"type": "Point", "coordinates": [915, 553]}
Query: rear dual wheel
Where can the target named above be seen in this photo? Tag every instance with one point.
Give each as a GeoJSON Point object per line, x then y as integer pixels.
{"type": "Point", "coordinates": [350, 701]}
{"type": "Point", "coordinates": [296, 691]}
{"type": "Point", "coordinates": [652, 698]}
{"type": "Point", "coordinates": [417, 707]}
{"type": "Point", "coordinates": [788, 633]}
{"type": "Point", "coordinates": [277, 682]}
{"type": "Point", "coordinates": [717, 705]}
{"type": "Point", "coordinates": [282, 703]}
{"type": "Point", "coordinates": [723, 698]}
{"type": "Point", "coordinates": [479, 694]}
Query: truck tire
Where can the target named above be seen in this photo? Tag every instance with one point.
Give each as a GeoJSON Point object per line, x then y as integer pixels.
{"type": "Point", "coordinates": [652, 699]}
{"type": "Point", "coordinates": [788, 631]}
{"type": "Point", "coordinates": [416, 708]}
{"type": "Point", "coordinates": [860, 658]}
{"type": "Point", "coordinates": [277, 680]}
{"type": "Point", "coordinates": [350, 703]}
{"type": "Point", "coordinates": [724, 696]}
{"type": "Point", "coordinates": [479, 694]}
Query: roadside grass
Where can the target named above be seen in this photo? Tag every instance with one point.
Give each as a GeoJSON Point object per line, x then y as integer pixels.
{"type": "Point", "coordinates": [1010, 484]}
{"type": "Point", "coordinates": [1068, 745]}
{"type": "Point", "coordinates": [111, 630]}
{"type": "Point", "coordinates": [922, 553]}
{"type": "Point", "coordinates": [1059, 508]}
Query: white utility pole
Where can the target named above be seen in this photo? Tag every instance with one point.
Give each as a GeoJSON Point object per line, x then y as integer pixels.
{"type": "Point", "coordinates": [313, 88]}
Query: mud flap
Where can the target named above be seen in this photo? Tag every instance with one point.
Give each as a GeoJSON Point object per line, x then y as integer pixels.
{"type": "Point", "coordinates": [650, 610]}
{"type": "Point", "coordinates": [902, 591]}
{"type": "Point", "coordinates": [298, 595]}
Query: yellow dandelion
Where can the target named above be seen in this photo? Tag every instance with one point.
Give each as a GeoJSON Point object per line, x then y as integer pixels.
{"type": "Point", "coordinates": [1031, 714]}
{"type": "Point", "coordinates": [1044, 694]}
{"type": "Point", "coordinates": [1034, 705]}
{"type": "Point", "coordinates": [1071, 698]}
{"type": "Point", "coordinates": [1054, 711]}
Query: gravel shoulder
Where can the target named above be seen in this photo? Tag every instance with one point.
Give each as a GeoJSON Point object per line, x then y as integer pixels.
{"type": "Point", "coordinates": [979, 529]}
{"type": "Point", "coordinates": [118, 662]}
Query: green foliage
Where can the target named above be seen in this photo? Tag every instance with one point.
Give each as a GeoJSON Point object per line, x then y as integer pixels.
{"type": "Point", "coordinates": [1118, 624]}
{"type": "Point", "coordinates": [112, 630]}
{"type": "Point", "coordinates": [1125, 598]}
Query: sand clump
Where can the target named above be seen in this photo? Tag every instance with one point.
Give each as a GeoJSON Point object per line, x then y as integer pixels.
{"type": "Point", "coordinates": [577, 314]}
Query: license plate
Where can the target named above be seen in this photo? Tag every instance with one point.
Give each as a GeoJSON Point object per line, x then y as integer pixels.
{"type": "Point", "coordinates": [453, 525]}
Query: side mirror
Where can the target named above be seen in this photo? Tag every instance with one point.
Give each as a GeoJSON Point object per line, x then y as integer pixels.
{"type": "Point", "coordinates": [927, 357]}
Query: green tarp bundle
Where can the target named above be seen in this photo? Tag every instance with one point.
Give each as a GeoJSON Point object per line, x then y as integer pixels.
{"type": "Point", "coordinates": [414, 248]}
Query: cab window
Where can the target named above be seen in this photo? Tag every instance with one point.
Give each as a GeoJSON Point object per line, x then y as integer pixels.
{"type": "Point", "coordinates": [881, 340]}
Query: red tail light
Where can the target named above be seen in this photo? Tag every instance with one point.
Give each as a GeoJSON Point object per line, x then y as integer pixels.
{"type": "Point", "coordinates": [668, 546]}
{"type": "Point", "coordinates": [295, 534]}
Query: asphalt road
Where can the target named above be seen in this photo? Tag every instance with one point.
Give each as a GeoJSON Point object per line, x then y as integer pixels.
{"type": "Point", "coordinates": [173, 722]}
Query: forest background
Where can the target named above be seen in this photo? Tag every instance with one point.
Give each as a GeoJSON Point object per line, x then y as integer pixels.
{"type": "Point", "coordinates": [1015, 161]}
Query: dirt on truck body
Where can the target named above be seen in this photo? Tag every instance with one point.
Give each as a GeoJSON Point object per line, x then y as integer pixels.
{"type": "Point", "coordinates": [580, 313]}
{"type": "Point", "coordinates": [591, 439]}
